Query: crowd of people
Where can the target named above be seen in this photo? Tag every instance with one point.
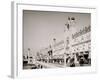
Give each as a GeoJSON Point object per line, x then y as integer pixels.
{"type": "Point", "coordinates": [71, 60]}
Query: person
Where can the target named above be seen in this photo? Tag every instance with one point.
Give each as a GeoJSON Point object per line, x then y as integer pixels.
{"type": "Point", "coordinates": [68, 57]}
{"type": "Point", "coordinates": [86, 54]}
{"type": "Point", "coordinates": [81, 59]}
{"type": "Point", "coordinates": [72, 61]}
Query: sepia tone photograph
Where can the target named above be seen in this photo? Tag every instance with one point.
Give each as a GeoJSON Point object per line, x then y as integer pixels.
{"type": "Point", "coordinates": [56, 39]}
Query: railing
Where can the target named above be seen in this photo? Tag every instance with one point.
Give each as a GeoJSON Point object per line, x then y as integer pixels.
{"type": "Point", "coordinates": [81, 32]}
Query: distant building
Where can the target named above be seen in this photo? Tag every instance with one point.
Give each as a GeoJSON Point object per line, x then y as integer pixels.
{"type": "Point", "coordinates": [81, 41]}
{"type": "Point", "coordinates": [28, 57]}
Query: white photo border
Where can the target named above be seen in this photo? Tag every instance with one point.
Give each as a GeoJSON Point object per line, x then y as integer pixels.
{"type": "Point", "coordinates": [17, 41]}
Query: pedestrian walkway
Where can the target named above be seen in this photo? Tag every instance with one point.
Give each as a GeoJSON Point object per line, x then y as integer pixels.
{"type": "Point", "coordinates": [50, 65]}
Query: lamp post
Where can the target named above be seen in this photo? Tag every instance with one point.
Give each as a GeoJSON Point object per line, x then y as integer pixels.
{"type": "Point", "coordinates": [54, 39]}
{"type": "Point", "coordinates": [54, 43]}
{"type": "Point", "coordinates": [28, 55]}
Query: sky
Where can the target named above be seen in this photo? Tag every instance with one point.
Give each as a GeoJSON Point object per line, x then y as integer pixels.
{"type": "Point", "coordinates": [40, 27]}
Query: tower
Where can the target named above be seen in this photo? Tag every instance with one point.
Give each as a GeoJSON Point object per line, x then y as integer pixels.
{"type": "Point", "coordinates": [68, 37]}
